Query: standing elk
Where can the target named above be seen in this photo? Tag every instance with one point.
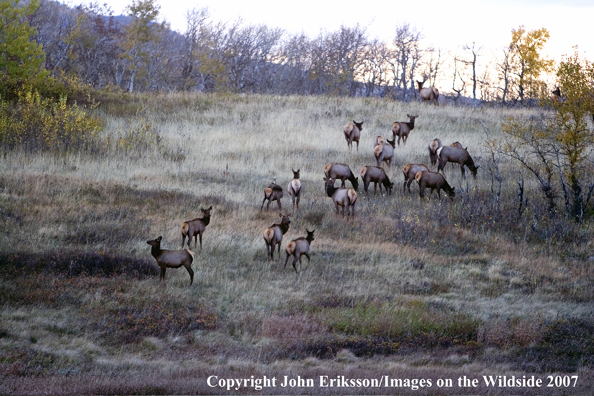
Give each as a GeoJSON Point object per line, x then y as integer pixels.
{"type": "Point", "coordinates": [433, 146]}
{"type": "Point", "coordinates": [343, 172]}
{"type": "Point", "coordinates": [409, 171]}
{"type": "Point", "coordinates": [402, 129]}
{"type": "Point", "coordinates": [456, 155]}
{"type": "Point", "coordinates": [294, 188]}
{"type": "Point", "coordinates": [299, 247]}
{"type": "Point", "coordinates": [273, 235]}
{"type": "Point", "coordinates": [273, 192]}
{"type": "Point", "coordinates": [428, 94]}
{"type": "Point", "coordinates": [195, 228]}
{"type": "Point", "coordinates": [342, 197]}
{"type": "Point", "coordinates": [376, 175]}
{"type": "Point", "coordinates": [385, 152]}
{"type": "Point", "coordinates": [352, 133]}
{"type": "Point", "coordinates": [556, 95]}
{"type": "Point", "coordinates": [172, 258]}
{"type": "Point", "coordinates": [433, 181]}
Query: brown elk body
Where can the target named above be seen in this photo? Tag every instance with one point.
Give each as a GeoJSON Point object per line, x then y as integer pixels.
{"type": "Point", "coordinates": [410, 171]}
{"type": "Point", "coordinates": [195, 228]}
{"type": "Point", "coordinates": [433, 146]}
{"type": "Point", "coordinates": [294, 188]}
{"type": "Point", "coordinates": [352, 133]}
{"type": "Point", "coordinates": [273, 235]}
{"type": "Point", "coordinates": [428, 94]}
{"type": "Point", "coordinates": [377, 175]}
{"type": "Point", "coordinates": [341, 197]}
{"type": "Point", "coordinates": [402, 129]}
{"type": "Point", "coordinates": [337, 171]}
{"type": "Point", "coordinates": [172, 258]}
{"type": "Point", "coordinates": [456, 155]}
{"type": "Point", "coordinates": [273, 192]}
{"type": "Point", "coordinates": [385, 152]}
{"type": "Point", "coordinates": [299, 247]}
{"type": "Point", "coordinates": [433, 181]}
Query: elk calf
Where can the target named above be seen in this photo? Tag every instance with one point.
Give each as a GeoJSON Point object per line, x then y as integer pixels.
{"type": "Point", "coordinates": [343, 172]}
{"type": "Point", "coordinates": [402, 129]}
{"type": "Point", "coordinates": [195, 228]}
{"type": "Point", "coordinates": [434, 181]}
{"type": "Point", "coordinates": [299, 247]}
{"type": "Point", "coordinates": [342, 197]}
{"type": "Point", "coordinates": [273, 192]}
{"type": "Point", "coordinates": [409, 171]}
{"type": "Point", "coordinates": [352, 133]}
{"type": "Point", "coordinates": [376, 175]}
{"type": "Point", "coordinates": [273, 235]}
{"type": "Point", "coordinates": [456, 155]}
{"type": "Point", "coordinates": [172, 258]}
{"type": "Point", "coordinates": [385, 152]}
{"type": "Point", "coordinates": [294, 188]}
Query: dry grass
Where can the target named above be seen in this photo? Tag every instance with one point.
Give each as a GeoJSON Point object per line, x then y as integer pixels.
{"type": "Point", "coordinates": [430, 288]}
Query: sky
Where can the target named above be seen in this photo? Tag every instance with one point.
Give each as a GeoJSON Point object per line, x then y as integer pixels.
{"type": "Point", "coordinates": [444, 24]}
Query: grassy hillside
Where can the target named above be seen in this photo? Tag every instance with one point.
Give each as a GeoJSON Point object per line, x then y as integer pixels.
{"type": "Point", "coordinates": [409, 288]}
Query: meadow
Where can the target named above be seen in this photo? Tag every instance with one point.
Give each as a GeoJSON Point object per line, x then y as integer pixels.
{"type": "Point", "coordinates": [408, 288]}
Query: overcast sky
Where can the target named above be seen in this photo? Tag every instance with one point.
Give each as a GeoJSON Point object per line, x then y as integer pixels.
{"type": "Point", "coordinates": [444, 24]}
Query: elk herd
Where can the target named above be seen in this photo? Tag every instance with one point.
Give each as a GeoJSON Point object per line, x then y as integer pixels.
{"type": "Point", "coordinates": [344, 198]}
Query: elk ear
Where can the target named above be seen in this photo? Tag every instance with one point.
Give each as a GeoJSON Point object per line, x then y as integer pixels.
{"type": "Point", "coordinates": [210, 207]}
{"type": "Point", "coordinates": [159, 239]}
{"type": "Point", "coordinates": [280, 215]}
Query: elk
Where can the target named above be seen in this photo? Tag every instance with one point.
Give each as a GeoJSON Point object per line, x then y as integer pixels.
{"type": "Point", "coordinates": [434, 181]}
{"type": "Point", "coordinates": [172, 258]}
{"type": "Point", "coordinates": [343, 172]}
{"type": "Point", "coordinates": [195, 228]}
{"type": "Point", "coordinates": [299, 247]}
{"type": "Point", "coordinates": [294, 188]}
{"type": "Point", "coordinates": [434, 145]}
{"type": "Point", "coordinates": [428, 94]}
{"type": "Point", "coordinates": [402, 129]}
{"type": "Point", "coordinates": [273, 192]}
{"type": "Point", "coordinates": [273, 235]}
{"type": "Point", "coordinates": [385, 152]}
{"type": "Point", "coordinates": [409, 171]}
{"type": "Point", "coordinates": [556, 97]}
{"type": "Point", "coordinates": [376, 175]}
{"type": "Point", "coordinates": [352, 133]}
{"type": "Point", "coordinates": [456, 155]}
{"type": "Point", "coordinates": [378, 140]}
{"type": "Point", "coordinates": [342, 197]}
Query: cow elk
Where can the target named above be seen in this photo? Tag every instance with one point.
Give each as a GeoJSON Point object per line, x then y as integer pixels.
{"type": "Point", "coordinates": [433, 146]}
{"type": "Point", "coordinates": [428, 94]}
{"type": "Point", "coordinates": [456, 155]}
{"type": "Point", "coordinates": [352, 133]}
{"type": "Point", "coordinates": [341, 197]}
{"type": "Point", "coordinates": [402, 129]}
{"type": "Point", "coordinates": [433, 181]}
{"type": "Point", "coordinates": [172, 258]}
{"type": "Point", "coordinates": [299, 247]}
{"type": "Point", "coordinates": [195, 228]}
{"type": "Point", "coordinates": [294, 188]}
{"type": "Point", "coordinates": [409, 171]}
{"type": "Point", "coordinates": [385, 152]}
{"type": "Point", "coordinates": [273, 235]}
{"type": "Point", "coordinates": [377, 175]}
{"type": "Point", "coordinates": [343, 172]}
{"type": "Point", "coordinates": [273, 192]}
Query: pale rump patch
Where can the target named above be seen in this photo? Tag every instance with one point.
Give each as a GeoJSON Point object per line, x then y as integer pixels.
{"type": "Point", "coordinates": [291, 247]}
{"type": "Point", "coordinates": [327, 169]}
{"type": "Point", "coordinates": [363, 171]}
{"type": "Point", "coordinates": [406, 168]}
{"type": "Point", "coordinates": [191, 253]}
{"type": "Point", "coordinates": [268, 234]}
{"type": "Point", "coordinates": [185, 228]}
{"type": "Point", "coordinates": [295, 185]}
{"type": "Point", "coordinates": [377, 150]}
{"type": "Point", "coordinates": [348, 128]}
{"type": "Point", "coordinates": [267, 192]}
{"type": "Point", "coordinates": [418, 175]}
{"type": "Point", "coordinates": [439, 152]}
{"type": "Point", "coordinates": [434, 145]}
{"type": "Point", "coordinates": [352, 194]}
{"type": "Point", "coordinates": [396, 127]}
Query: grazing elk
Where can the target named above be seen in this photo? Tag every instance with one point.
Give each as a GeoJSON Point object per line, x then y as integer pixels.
{"type": "Point", "coordinates": [402, 129]}
{"type": "Point", "coordinates": [433, 146]}
{"type": "Point", "coordinates": [273, 192]}
{"type": "Point", "coordinates": [299, 247]}
{"type": "Point", "coordinates": [172, 258]}
{"type": "Point", "coordinates": [385, 152]}
{"type": "Point", "coordinates": [342, 197]}
{"type": "Point", "coordinates": [352, 133]}
{"type": "Point", "coordinates": [409, 171]}
{"type": "Point", "coordinates": [456, 155]}
{"type": "Point", "coordinates": [273, 235]}
{"type": "Point", "coordinates": [343, 172]}
{"type": "Point", "coordinates": [294, 188]}
{"type": "Point", "coordinates": [195, 228]}
{"type": "Point", "coordinates": [433, 181]}
{"type": "Point", "coordinates": [428, 94]}
{"type": "Point", "coordinates": [376, 175]}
